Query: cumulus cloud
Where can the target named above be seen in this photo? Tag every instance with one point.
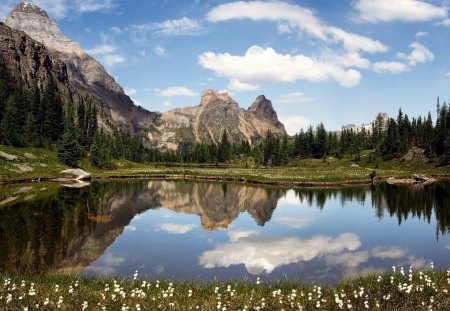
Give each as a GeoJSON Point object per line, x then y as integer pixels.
{"type": "Point", "coordinates": [260, 254]}
{"type": "Point", "coordinates": [293, 98]}
{"type": "Point", "coordinates": [177, 228]}
{"type": "Point", "coordinates": [294, 124]}
{"type": "Point", "coordinates": [176, 91]}
{"type": "Point", "coordinates": [389, 67]}
{"type": "Point", "coordinates": [276, 68]}
{"type": "Point", "coordinates": [419, 55]}
{"type": "Point", "coordinates": [376, 11]}
{"type": "Point", "coordinates": [291, 17]}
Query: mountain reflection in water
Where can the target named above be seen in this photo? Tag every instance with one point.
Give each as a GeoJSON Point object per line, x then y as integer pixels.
{"type": "Point", "coordinates": [44, 228]}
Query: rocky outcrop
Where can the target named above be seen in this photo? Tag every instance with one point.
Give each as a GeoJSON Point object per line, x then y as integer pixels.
{"type": "Point", "coordinates": [262, 107]}
{"type": "Point", "coordinates": [45, 49]}
{"type": "Point", "coordinates": [216, 113]}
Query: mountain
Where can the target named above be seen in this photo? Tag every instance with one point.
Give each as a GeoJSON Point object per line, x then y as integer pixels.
{"type": "Point", "coordinates": [79, 75]}
{"type": "Point", "coordinates": [206, 122]}
{"type": "Point", "coordinates": [33, 47]}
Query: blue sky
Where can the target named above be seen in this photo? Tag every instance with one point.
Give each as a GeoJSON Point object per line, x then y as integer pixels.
{"type": "Point", "coordinates": [334, 61]}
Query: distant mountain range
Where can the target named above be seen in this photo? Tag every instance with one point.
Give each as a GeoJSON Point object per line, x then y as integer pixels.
{"type": "Point", "coordinates": [33, 47]}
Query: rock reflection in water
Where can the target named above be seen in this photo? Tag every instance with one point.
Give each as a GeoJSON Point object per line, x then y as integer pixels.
{"type": "Point", "coordinates": [44, 228]}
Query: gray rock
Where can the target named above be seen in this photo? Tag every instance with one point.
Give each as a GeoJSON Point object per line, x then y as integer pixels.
{"type": "Point", "coordinates": [75, 174]}
{"type": "Point", "coordinates": [7, 156]}
{"type": "Point", "coordinates": [23, 168]}
{"type": "Point", "coordinates": [29, 156]}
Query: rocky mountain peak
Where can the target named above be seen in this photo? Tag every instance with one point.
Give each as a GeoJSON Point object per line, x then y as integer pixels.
{"type": "Point", "coordinates": [29, 8]}
{"type": "Point", "coordinates": [262, 107]}
{"type": "Point", "coordinates": [210, 96]}
{"type": "Point", "coordinates": [36, 23]}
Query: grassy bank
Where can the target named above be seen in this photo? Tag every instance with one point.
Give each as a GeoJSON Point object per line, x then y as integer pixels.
{"type": "Point", "coordinates": [32, 163]}
{"type": "Point", "coordinates": [423, 290]}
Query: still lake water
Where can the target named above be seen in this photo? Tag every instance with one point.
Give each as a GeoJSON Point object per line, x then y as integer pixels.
{"type": "Point", "coordinates": [198, 230]}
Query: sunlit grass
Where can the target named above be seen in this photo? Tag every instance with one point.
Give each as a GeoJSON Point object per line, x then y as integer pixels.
{"type": "Point", "coordinates": [299, 172]}
{"type": "Point", "coordinates": [401, 290]}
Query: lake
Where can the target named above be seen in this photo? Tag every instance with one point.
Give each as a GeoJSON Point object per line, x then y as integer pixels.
{"type": "Point", "coordinates": [186, 230]}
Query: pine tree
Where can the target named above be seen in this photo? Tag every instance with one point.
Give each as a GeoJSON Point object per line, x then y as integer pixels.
{"type": "Point", "coordinates": [10, 126]}
{"type": "Point", "coordinates": [4, 91]}
{"type": "Point", "coordinates": [53, 120]}
{"type": "Point", "coordinates": [100, 151]}
{"type": "Point", "coordinates": [31, 134]}
{"type": "Point", "coordinates": [224, 151]}
{"type": "Point", "coordinates": [68, 149]}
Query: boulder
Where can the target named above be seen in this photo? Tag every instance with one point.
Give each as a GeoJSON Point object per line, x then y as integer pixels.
{"type": "Point", "coordinates": [8, 156]}
{"type": "Point", "coordinates": [76, 174]}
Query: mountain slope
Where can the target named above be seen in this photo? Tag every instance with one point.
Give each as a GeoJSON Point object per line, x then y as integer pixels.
{"type": "Point", "coordinates": [206, 122]}
{"type": "Point", "coordinates": [85, 74]}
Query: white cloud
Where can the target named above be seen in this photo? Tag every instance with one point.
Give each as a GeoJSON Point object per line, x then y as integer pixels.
{"type": "Point", "coordinates": [116, 30]}
{"type": "Point", "coordinates": [293, 98]}
{"type": "Point", "coordinates": [159, 50]}
{"type": "Point", "coordinates": [277, 68]}
{"type": "Point", "coordinates": [346, 60]}
{"type": "Point", "coordinates": [389, 67]}
{"type": "Point", "coordinates": [444, 22]}
{"type": "Point", "coordinates": [294, 124]}
{"type": "Point", "coordinates": [293, 222]}
{"type": "Point", "coordinates": [113, 59]}
{"type": "Point", "coordinates": [238, 234]}
{"type": "Point", "coordinates": [260, 254]}
{"type": "Point", "coordinates": [176, 91]}
{"type": "Point", "coordinates": [130, 228]}
{"type": "Point", "coordinates": [177, 228]}
{"type": "Point", "coordinates": [419, 55]}
{"type": "Point", "coordinates": [174, 27]}
{"type": "Point", "coordinates": [166, 104]}
{"type": "Point", "coordinates": [448, 74]}
{"type": "Point", "coordinates": [375, 11]}
{"type": "Point", "coordinates": [237, 85]}
{"type": "Point", "coordinates": [101, 49]}
{"type": "Point", "coordinates": [389, 253]}
{"type": "Point", "coordinates": [288, 17]}
{"type": "Point", "coordinates": [349, 260]}
{"type": "Point", "coordinates": [130, 92]}
{"type": "Point", "coordinates": [420, 34]}
{"type": "Point", "coordinates": [93, 5]}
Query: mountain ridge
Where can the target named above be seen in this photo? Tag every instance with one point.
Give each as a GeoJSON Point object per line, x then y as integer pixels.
{"type": "Point", "coordinates": [30, 39]}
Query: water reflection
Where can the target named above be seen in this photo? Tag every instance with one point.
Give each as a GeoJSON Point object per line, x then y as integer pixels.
{"type": "Point", "coordinates": [218, 229]}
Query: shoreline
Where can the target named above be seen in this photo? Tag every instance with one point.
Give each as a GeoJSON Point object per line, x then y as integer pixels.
{"type": "Point", "coordinates": [224, 178]}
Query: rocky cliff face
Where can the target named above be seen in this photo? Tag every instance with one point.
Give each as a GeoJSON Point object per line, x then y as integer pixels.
{"type": "Point", "coordinates": [83, 74]}
{"type": "Point", "coordinates": [206, 122]}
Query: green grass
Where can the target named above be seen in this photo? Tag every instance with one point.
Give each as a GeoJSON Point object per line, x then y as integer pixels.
{"type": "Point", "coordinates": [424, 290]}
{"type": "Point", "coordinates": [307, 171]}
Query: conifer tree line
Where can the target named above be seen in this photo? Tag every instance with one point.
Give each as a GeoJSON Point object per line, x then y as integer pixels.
{"type": "Point", "coordinates": [388, 139]}
{"type": "Point", "coordinates": [41, 118]}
